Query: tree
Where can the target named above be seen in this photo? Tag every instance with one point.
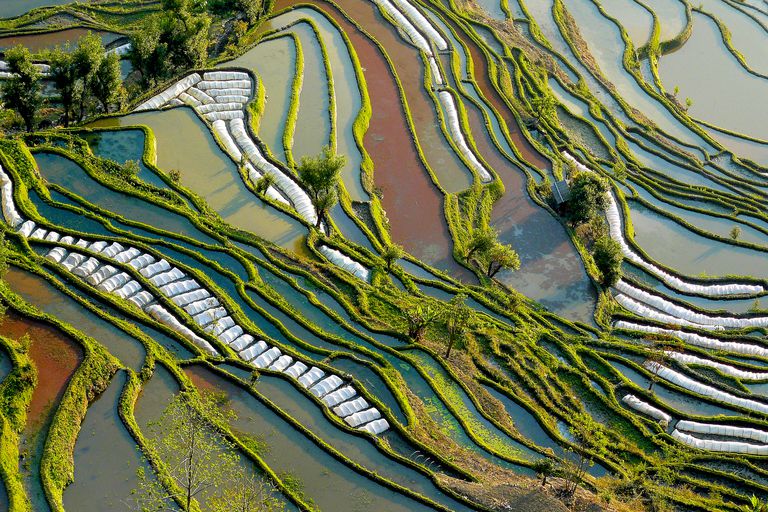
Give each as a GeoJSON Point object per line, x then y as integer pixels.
{"type": "Point", "coordinates": [320, 176]}
{"type": "Point", "coordinates": [251, 10]}
{"type": "Point", "coordinates": [64, 77]}
{"type": "Point", "coordinates": [501, 256]}
{"type": "Point", "coordinates": [588, 197]}
{"type": "Point", "coordinates": [392, 253]}
{"type": "Point", "coordinates": [22, 92]}
{"type": "Point", "coordinates": [459, 315]}
{"type": "Point", "coordinates": [419, 317]}
{"type": "Point", "coordinates": [657, 356]}
{"type": "Point", "coordinates": [608, 258]}
{"type": "Point", "coordinates": [263, 183]}
{"type": "Point", "coordinates": [544, 468]}
{"type": "Point", "coordinates": [87, 59]}
{"type": "Point", "coordinates": [176, 38]}
{"type": "Point", "coordinates": [735, 233]}
{"type": "Point", "coordinates": [481, 240]}
{"type": "Point", "coordinates": [107, 83]}
{"type": "Point", "coordinates": [589, 439]}
{"type": "Point", "coordinates": [202, 464]}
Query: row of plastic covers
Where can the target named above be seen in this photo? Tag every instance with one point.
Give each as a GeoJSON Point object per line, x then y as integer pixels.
{"type": "Point", "coordinates": [726, 369]}
{"type": "Point", "coordinates": [720, 446]}
{"type": "Point", "coordinates": [220, 97]}
{"type": "Point", "coordinates": [616, 229]}
{"type": "Point", "coordinates": [700, 388]}
{"type": "Point", "coordinates": [697, 339]}
{"type": "Point", "coordinates": [647, 409]}
{"type": "Point", "coordinates": [687, 314]}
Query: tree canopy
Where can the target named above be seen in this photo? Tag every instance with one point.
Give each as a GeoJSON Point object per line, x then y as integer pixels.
{"type": "Point", "coordinates": [588, 197]}
{"type": "Point", "coordinates": [22, 92]}
{"type": "Point", "coordinates": [608, 257]}
{"type": "Point", "coordinates": [320, 176]}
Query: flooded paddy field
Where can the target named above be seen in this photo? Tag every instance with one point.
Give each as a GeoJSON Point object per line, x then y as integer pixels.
{"type": "Point", "coordinates": [384, 255]}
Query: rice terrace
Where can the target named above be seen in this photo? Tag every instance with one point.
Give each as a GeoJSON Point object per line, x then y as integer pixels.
{"type": "Point", "coordinates": [384, 255]}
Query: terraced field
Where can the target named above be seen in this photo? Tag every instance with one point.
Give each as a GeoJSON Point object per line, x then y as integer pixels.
{"type": "Point", "coordinates": [173, 246]}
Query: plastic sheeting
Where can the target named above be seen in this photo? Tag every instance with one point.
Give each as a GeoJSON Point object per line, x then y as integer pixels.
{"type": "Point", "coordinates": [128, 289]}
{"type": "Point", "coordinates": [339, 396]}
{"type": "Point", "coordinates": [720, 446]}
{"type": "Point", "coordinates": [74, 259]}
{"type": "Point", "coordinates": [281, 363]}
{"type": "Point", "coordinates": [684, 313]}
{"type": "Point", "coordinates": [230, 334]}
{"type": "Point", "coordinates": [26, 228]}
{"type": "Point", "coordinates": [405, 25]}
{"type": "Point", "coordinates": [201, 305]}
{"type": "Point", "coordinates": [351, 407]}
{"type": "Point", "coordinates": [190, 297]}
{"type": "Point", "coordinates": [163, 279]}
{"type": "Point", "coordinates": [326, 385]}
{"type": "Point", "coordinates": [114, 282]}
{"type": "Point", "coordinates": [142, 261]}
{"type": "Point", "coordinates": [267, 358]}
{"type": "Point", "coordinates": [112, 250]}
{"type": "Point", "coordinates": [10, 213]}
{"type": "Point", "coordinates": [312, 376]}
{"type": "Point", "coordinates": [240, 343]}
{"type": "Point", "coordinates": [376, 427]}
{"type": "Point", "coordinates": [52, 236]}
{"type": "Point", "coordinates": [100, 275]}
{"type": "Point", "coordinates": [127, 255]}
{"type": "Point", "coordinates": [162, 315]}
{"type": "Point", "coordinates": [296, 370]}
{"type": "Point", "coordinates": [178, 287]}
{"type": "Point", "coordinates": [142, 298]}
{"type": "Point", "coordinates": [753, 434]}
{"type": "Point", "coordinates": [422, 23]}
{"type": "Point", "coordinates": [254, 350]}
{"type": "Point", "coordinates": [644, 311]}
{"type": "Point", "coordinates": [38, 234]}
{"type": "Point", "coordinates": [700, 388]}
{"type": "Point", "coordinates": [209, 316]}
{"type": "Point", "coordinates": [723, 368]}
{"type": "Point", "coordinates": [87, 268]}
{"type": "Point", "coordinates": [56, 254]}
{"type": "Point", "coordinates": [155, 268]}
{"type": "Point", "coordinates": [647, 409]}
{"type": "Point", "coordinates": [454, 128]}
{"type": "Point", "coordinates": [709, 290]}
{"type": "Point", "coordinates": [362, 417]}
{"type": "Point", "coordinates": [345, 262]}
{"type": "Point", "coordinates": [170, 93]}
{"type": "Point", "coordinates": [697, 340]}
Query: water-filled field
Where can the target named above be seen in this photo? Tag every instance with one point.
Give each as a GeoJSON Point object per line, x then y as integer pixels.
{"type": "Point", "coordinates": [384, 255]}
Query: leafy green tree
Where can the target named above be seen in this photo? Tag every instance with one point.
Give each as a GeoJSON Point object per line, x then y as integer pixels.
{"type": "Point", "coordinates": [107, 83]}
{"type": "Point", "coordinates": [588, 197]}
{"type": "Point", "coordinates": [481, 241]}
{"type": "Point", "coordinates": [735, 233]}
{"type": "Point", "coordinates": [459, 315]}
{"type": "Point", "coordinates": [392, 253]}
{"type": "Point", "coordinates": [251, 10]}
{"type": "Point", "coordinates": [202, 464]}
{"type": "Point", "coordinates": [419, 317]}
{"type": "Point", "coordinates": [263, 183]}
{"type": "Point", "coordinates": [175, 39]}
{"type": "Point", "coordinates": [544, 468]}
{"type": "Point", "coordinates": [590, 440]}
{"type": "Point", "coordinates": [64, 78]}
{"type": "Point", "coordinates": [499, 257]}
{"type": "Point", "coordinates": [320, 176]}
{"type": "Point", "coordinates": [608, 257]}
{"type": "Point", "coordinates": [86, 60]}
{"type": "Point", "coordinates": [22, 92]}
